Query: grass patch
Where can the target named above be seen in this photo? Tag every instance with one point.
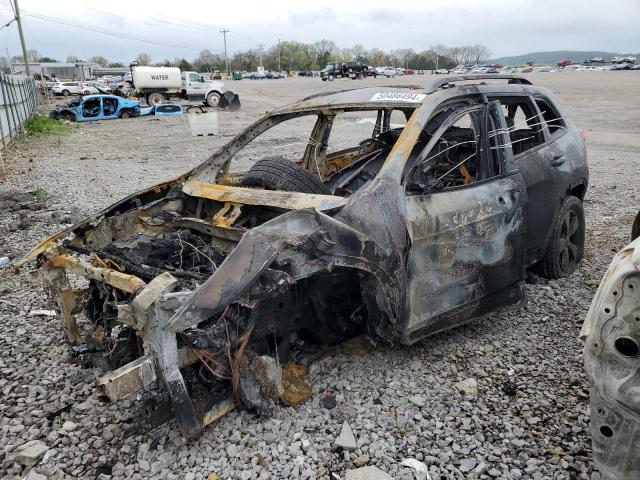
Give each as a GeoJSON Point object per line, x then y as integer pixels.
{"type": "Point", "coordinates": [40, 125]}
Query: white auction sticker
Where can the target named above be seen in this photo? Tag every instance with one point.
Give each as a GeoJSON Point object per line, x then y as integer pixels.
{"type": "Point", "coordinates": [398, 97]}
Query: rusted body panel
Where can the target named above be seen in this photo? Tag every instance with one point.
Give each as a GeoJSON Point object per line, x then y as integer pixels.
{"type": "Point", "coordinates": [205, 278]}
{"type": "Point", "coordinates": [611, 333]}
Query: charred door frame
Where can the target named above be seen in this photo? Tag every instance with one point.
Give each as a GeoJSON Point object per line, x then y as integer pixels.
{"type": "Point", "coordinates": [488, 215]}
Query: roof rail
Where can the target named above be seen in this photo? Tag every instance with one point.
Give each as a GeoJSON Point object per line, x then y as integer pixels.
{"type": "Point", "coordinates": [447, 81]}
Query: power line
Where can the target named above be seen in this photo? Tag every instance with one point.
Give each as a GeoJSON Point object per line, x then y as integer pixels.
{"type": "Point", "coordinates": [156, 20]}
{"type": "Point", "coordinates": [104, 31]}
{"type": "Point", "coordinates": [8, 23]}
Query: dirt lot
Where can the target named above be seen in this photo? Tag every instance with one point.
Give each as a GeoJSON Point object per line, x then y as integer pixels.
{"type": "Point", "coordinates": [529, 418]}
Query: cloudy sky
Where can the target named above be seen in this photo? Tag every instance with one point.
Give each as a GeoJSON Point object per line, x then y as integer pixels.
{"type": "Point", "coordinates": [58, 28]}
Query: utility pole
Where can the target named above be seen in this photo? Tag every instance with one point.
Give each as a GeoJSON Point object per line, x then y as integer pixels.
{"type": "Point", "coordinates": [224, 32]}
{"type": "Point", "coordinates": [24, 47]}
{"type": "Point", "coordinates": [279, 66]}
{"type": "Point", "coordinates": [260, 45]}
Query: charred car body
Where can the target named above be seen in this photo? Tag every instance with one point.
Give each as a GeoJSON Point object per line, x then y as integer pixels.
{"type": "Point", "coordinates": [217, 278]}
{"type": "Point", "coordinates": [611, 333]}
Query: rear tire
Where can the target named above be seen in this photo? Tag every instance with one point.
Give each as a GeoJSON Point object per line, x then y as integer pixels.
{"type": "Point", "coordinates": [566, 244]}
{"type": "Point", "coordinates": [155, 98]}
{"type": "Point", "coordinates": [68, 116]}
{"type": "Point", "coordinates": [125, 114]}
{"type": "Point", "coordinates": [331, 77]}
{"type": "Point", "coordinates": [213, 99]}
{"type": "Point", "coordinates": [278, 173]}
{"type": "Point", "coordinates": [65, 93]}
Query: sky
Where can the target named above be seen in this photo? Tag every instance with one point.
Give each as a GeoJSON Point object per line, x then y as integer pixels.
{"type": "Point", "coordinates": [164, 30]}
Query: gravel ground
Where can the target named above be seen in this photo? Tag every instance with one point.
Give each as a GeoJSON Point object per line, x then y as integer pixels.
{"type": "Point", "coordinates": [527, 418]}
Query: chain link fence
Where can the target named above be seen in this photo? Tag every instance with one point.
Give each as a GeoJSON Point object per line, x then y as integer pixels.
{"type": "Point", "coordinates": [19, 99]}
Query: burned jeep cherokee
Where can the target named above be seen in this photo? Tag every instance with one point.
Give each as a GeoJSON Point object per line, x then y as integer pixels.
{"type": "Point", "coordinates": [207, 284]}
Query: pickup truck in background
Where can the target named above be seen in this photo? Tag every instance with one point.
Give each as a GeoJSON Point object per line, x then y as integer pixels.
{"type": "Point", "coordinates": [344, 70]}
{"type": "Point", "coordinates": [159, 84]}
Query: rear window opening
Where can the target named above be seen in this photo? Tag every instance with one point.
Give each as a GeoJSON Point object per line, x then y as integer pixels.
{"type": "Point", "coordinates": [523, 123]}
{"type": "Point", "coordinates": [551, 117]}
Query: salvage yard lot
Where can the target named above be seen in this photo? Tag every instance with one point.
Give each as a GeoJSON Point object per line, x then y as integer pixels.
{"type": "Point", "coordinates": [530, 410]}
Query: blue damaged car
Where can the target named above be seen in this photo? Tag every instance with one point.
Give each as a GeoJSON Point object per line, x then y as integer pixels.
{"type": "Point", "coordinates": [97, 107]}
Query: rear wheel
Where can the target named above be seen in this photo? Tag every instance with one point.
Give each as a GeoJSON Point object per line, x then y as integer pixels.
{"type": "Point", "coordinates": [213, 99]}
{"type": "Point", "coordinates": [155, 98]}
{"type": "Point", "coordinates": [125, 114]}
{"type": "Point", "coordinates": [68, 116]}
{"type": "Point", "coordinates": [65, 92]}
{"type": "Point", "coordinates": [331, 77]}
{"type": "Point", "coordinates": [566, 245]}
{"type": "Point", "coordinates": [278, 173]}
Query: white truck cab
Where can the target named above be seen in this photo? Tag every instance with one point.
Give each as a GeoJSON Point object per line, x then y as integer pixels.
{"type": "Point", "coordinates": [196, 87]}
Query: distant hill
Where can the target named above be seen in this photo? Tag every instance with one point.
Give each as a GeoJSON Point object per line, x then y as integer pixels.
{"type": "Point", "coordinates": [551, 58]}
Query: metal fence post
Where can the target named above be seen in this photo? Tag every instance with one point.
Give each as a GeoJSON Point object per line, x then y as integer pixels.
{"type": "Point", "coordinates": [3, 114]}
{"type": "Point", "coordinates": [23, 100]}
{"type": "Point", "coordinates": [14, 108]}
{"type": "Point", "coordinates": [7, 103]}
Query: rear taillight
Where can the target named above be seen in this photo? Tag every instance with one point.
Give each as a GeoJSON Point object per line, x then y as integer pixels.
{"type": "Point", "coordinates": [582, 135]}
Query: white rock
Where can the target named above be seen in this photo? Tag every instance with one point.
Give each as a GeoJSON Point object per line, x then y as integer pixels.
{"type": "Point", "coordinates": [69, 426]}
{"type": "Point", "coordinates": [346, 439]}
{"type": "Point", "coordinates": [417, 400]}
{"type": "Point", "coordinates": [29, 453]}
{"type": "Point", "coordinates": [367, 473]}
{"type": "Point", "coordinates": [468, 386]}
{"type": "Point", "coordinates": [33, 475]}
{"type": "Point", "coordinates": [420, 467]}
{"type": "Point", "coordinates": [232, 451]}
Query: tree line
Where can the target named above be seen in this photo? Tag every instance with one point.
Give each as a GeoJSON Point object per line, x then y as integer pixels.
{"type": "Point", "coordinates": [292, 55]}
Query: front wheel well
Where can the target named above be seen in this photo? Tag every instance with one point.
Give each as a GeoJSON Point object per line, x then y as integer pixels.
{"type": "Point", "coordinates": [579, 191]}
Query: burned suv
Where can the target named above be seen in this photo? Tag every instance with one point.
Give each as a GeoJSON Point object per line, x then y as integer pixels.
{"type": "Point", "coordinates": [205, 285]}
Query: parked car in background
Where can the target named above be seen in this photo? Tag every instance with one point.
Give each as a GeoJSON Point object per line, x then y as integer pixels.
{"type": "Point", "coordinates": [100, 87]}
{"type": "Point", "coordinates": [165, 110]}
{"type": "Point", "coordinates": [400, 71]}
{"type": "Point", "coordinates": [387, 71]}
{"type": "Point", "coordinates": [408, 71]}
{"type": "Point", "coordinates": [67, 88]}
{"type": "Point", "coordinates": [441, 71]}
{"type": "Point", "coordinates": [97, 107]}
{"type": "Point", "coordinates": [257, 75]}
{"type": "Point", "coordinates": [621, 66]}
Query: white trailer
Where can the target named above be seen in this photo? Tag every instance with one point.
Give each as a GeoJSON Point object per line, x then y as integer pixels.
{"type": "Point", "coordinates": [158, 84]}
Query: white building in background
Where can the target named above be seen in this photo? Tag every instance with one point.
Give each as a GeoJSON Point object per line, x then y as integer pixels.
{"type": "Point", "coordinates": [63, 71]}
